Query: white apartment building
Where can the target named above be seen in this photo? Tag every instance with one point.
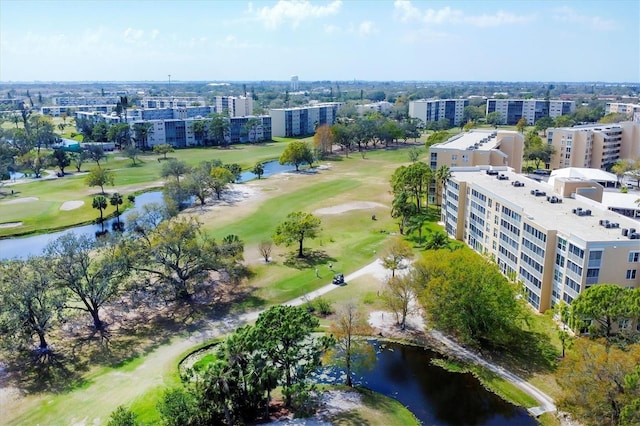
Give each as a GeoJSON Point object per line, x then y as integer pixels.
{"type": "Point", "coordinates": [555, 244]}
{"type": "Point", "coordinates": [437, 109]}
{"type": "Point", "coordinates": [596, 146]}
{"type": "Point", "coordinates": [300, 121]}
{"type": "Point", "coordinates": [150, 102]}
{"type": "Point", "coordinates": [622, 108]}
{"type": "Point", "coordinates": [234, 106]}
{"type": "Point", "coordinates": [382, 107]}
{"type": "Point", "coordinates": [513, 110]}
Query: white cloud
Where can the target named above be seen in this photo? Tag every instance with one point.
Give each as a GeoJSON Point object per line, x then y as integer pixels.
{"type": "Point", "coordinates": [567, 14]}
{"type": "Point", "coordinates": [132, 35]}
{"type": "Point", "coordinates": [404, 11]}
{"type": "Point", "coordinates": [294, 12]}
{"type": "Point", "coordinates": [366, 28]}
{"type": "Point", "coordinates": [331, 29]}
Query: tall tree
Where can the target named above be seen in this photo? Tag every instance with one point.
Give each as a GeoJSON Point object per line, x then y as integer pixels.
{"type": "Point", "coordinates": [400, 294]}
{"type": "Point", "coordinates": [99, 203]}
{"type": "Point", "coordinates": [395, 255]}
{"type": "Point", "coordinates": [116, 201]}
{"type": "Point", "coordinates": [442, 175]}
{"type": "Point", "coordinates": [469, 297]}
{"type": "Point", "coordinates": [179, 255]}
{"type": "Point", "coordinates": [219, 129]}
{"type": "Point", "coordinates": [221, 177]}
{"type": "Point", "coordinates": [175, 168]}
{"type": "Point", "coordinates": [296, 154]}
{"type": "Point", "coordinates": [592, 377]}
{"type": "Point", "coordinates": [285, 333]}
{"type": "Point", "coordinates": [258, 169]}
{"type": "Point", "coordinates": [95, 152]}
{"type": "Point", "coordinates": [521, 124]}
{"type": "Point", "coordinates": [99, 177]}
{"type": "Point", "coordinates": [323, 139]}
{"type": "Point", "coordinates": [296, 228]}
{"type": "Point", "coordinates": [142, 131]}
{"type": "Point", "coordinates": [91, 272]}
{"type": "Point", "coordinates": [350, 351]}
{"type": "Point", "coordinates": [61, 159]}
{"type": "Point", "coordinates": [163, 149]}
{"type": "Point", "coordinates": [30, 302]}
{"type": "Point", "coordinates": [604, 304]}
{"type": "Point", "coordinates": [495, 119]}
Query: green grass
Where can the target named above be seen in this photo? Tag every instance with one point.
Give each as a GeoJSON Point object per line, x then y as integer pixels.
{"type": "Point", "coordinates": [377, 410]}
{"type": "Point", "coordinates": [44, 214]}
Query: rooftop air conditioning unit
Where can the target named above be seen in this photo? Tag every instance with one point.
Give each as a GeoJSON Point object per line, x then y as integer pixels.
{"type": "Point", "coordinates": [625, 232]}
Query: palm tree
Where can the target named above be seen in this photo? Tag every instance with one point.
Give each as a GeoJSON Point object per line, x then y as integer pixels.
{"type": "Point", "coordinates": [116, 200]}
{"type": "Point", "coordinates": [437, 241]}
{"type": "Point", "coordinates": [142, 132]}
{"type": "Point", "coordinates": [443, 174]}
{"type": "Point", "coordinates": [100, 203]}
{"type": "Point", "coordinates": [416, 223]}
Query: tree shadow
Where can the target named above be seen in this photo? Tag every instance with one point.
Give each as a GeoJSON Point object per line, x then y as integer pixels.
{"type": "Point", "coordinates": [311, 259]}
{"type": "Point", "coordinates": [527, 353]}
{"type": "Point", "coordinates": [35, 371]}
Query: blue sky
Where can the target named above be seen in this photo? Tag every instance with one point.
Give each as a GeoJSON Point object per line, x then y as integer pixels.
{"type": "Point", "coordinates": [320, 40]}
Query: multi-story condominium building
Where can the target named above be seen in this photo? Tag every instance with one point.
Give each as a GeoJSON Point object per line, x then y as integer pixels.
{"type": "Point", "coordinates": [479, 148]}
{"type": "Point", "coordinates": [13, 103]}
{"type": "Point", "coordinates": [85, 100]}
{"type": "Point", "coordinates": [434, 110]}
{"type": "Point", "coordinates": [556, 245]}
{"type": "Point", "coordinates": [234, 106]}
{"type": "Point", "coordinates": [382, 106]}
{"type": "Point", "coordinates": [300, 121]}
{"type": "Point", "coordinates": [172, 101]}
{"type": "Point", "coordinates": [57, 111]}
{"type": "Point", "coordinates": [596, 146]}
{"type": "Point", "coordinates": [179, 132]}
{"type": "Point", "coordinates": [513, 110]}
{"type": "Point", "coordinates": [622, 108]}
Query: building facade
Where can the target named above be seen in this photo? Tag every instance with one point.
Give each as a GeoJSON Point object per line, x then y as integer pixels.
{"type": "Point", "coordinates": [434, 110]}
{"type": "Point", "coordinates": [479, 148]}
{"type": "Point", "coordinates": [85, 100]}
{"type": "Point", "coordinates": [301, 121]}
{"type": "Point", "coordinates": [532, 110]}
{"type": "Point", "coordinates": [622, 108]}
{"type": "Point", "coordinates": [381, 107]}
{"type": "Point", "coordinates": [57, 111]}
{"type": "Point", "coordinates": [234, 106]}
{"type": "Point", "coordinates": [172, 101]}
{"type": "Point", "coordinates": [556, 246]}
{"type": "Point", "coordinates": [596, 146]}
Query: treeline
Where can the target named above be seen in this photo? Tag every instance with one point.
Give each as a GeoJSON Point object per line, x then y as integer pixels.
{"type": "Point", "coordinates": [170, 259]}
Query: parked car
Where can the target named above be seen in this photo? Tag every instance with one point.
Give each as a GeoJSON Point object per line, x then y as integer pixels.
{"type": "Point", "coordinates": [338, 279]}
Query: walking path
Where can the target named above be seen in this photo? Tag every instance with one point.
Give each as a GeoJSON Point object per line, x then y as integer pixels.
{"type": "Point", "coordinates": [125, 386]}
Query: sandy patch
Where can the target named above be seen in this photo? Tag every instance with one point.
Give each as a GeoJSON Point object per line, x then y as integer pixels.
{"type": "Point", "coordinates": [356, 205]}
{"type": "Point", "coordinates": [71, 205]}
{"type": "Point", "coordinates": [21, 200]}
{"type": "Point", "coordinates": [10, 224]}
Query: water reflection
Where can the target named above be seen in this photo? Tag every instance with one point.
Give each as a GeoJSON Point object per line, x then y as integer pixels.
{"type": "Point", "coordinates": [434, 395]}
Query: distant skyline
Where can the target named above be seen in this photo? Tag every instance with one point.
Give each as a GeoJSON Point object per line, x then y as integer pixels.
{"type": "Point", "coordinates": [319, 40]}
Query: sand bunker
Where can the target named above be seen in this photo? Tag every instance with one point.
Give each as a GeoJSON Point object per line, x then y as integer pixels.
{"type": "Point", "coordinates": [10, 224]}
{"type": "Point", "coordinates": [71, 205]}
{"type": "Point", "coordinates": [342, 208]}
{"type": "Point", "coordinates": [21, 200]}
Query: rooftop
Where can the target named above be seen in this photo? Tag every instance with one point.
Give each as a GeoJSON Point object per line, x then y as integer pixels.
{"type": "Point", "coordinates": [482, 140]}
{"type": "Point", "coordinates": [548, 215]}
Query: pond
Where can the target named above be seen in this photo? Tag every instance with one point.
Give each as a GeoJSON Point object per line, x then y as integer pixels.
{"type": "Point", "coordinates": [434, 395]}
{"type": "Point", "coordinates": [34, 245]}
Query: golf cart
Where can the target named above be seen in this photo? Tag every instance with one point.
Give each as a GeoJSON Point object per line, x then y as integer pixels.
{"type": "Point", "coordinates": [338, 279]}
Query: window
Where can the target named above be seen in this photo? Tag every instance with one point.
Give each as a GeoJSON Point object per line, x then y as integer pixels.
{"type": "Point", "coordinates": [634, 256]}
{"type": "Point", "coordinates": [454, 157]}
{"type": "Point", "coordinates": [623, 324]}
{"type": "Point", "coordinates": [631, 274]}
{"type": "Point", "coordinates": [562, 244]}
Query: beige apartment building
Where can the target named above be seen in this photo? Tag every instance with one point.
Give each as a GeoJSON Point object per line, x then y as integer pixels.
{"type": "Point", "coordinates": [556, 245]}
{"type": "Point", "coordinates": [479, 148]}
{"type": "Point", "coordinates": [596, 146]}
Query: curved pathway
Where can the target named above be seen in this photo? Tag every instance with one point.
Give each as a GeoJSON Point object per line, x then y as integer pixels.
{"type": "Point", "coordinates": [125, 386]}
